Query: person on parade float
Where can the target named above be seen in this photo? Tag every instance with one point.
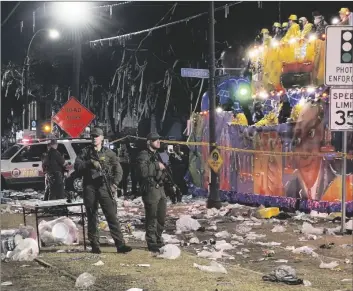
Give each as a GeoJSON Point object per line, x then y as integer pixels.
{"type": "Point", "coordinates": [284, 28]}
{"type": "Point", "coordinates": [319, 25]}
{"type": "Point", "coordinates": [277, 31]}
{"type": "Point", "coordinates": [306, 28]}
{"type": "Point", "coordinates": [266, 38]}
{"type": "Point", "coordinates": [294, 29]}
{"type": "Point", "coordinates": [344, 16]}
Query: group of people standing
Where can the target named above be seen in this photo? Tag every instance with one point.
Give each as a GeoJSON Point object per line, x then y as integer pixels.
{"type": "Point", "coordinates": [102, 175]}
{"type": "Point", "coordinates": [300, 28]}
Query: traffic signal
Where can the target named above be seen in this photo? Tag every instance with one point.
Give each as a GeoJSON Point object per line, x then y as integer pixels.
{"type": "Point", "coordinates": [346, 46]}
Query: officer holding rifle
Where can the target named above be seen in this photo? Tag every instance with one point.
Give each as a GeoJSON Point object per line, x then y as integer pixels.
{"type": "Point", "coordinates": [152, 175]}
{"type": "Point", "coordinates": [102, 174]}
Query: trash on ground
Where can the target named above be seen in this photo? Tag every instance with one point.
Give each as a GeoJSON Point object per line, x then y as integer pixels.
{"type": "Point", "coordinates": [26, 250]}
{"type": "Point", "coordinates": [85, 280]}
{"type": "Point", "coordinates": [267, 212]}
{"type": "Point", "coordinates": [309, 229]}
{"type": "Point", "coordinates": [7, 283]}
{"type": "Point", "coordinates": [306, 283]}
{"type": "Point", "coordinates": [278, 228]}
{"type": "Point", "coordinates": [170, 252]}
{"type": "Point", "coordinates": [305, 250]}
{"type": "Point", "coordinates": [143, 265]}
{"type": "Point", "coordinates": [59, 231]}
{"type": "Point", "coordinates": [331, 265]}
{"type": "Point", "coordinates": [194, 240]}
{"type": "Point", "coordinates": [99, 263]}
{"type": "Point", "coordinates": [222, 234]}
{"type": "Point", "coordinates": [282, 261]}
{"type": "Point", "coordinates": [327, 246]}
{"type": "Point", "coordinates": [214, 267]}
{"type": "Point", "coordinates": [185, 223]}
{"type": "Point", "coordinates": [285, 274]}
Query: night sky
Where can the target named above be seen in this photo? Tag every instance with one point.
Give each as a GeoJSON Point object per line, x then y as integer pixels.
{"type": "Point", "coordinates": [186, 42]}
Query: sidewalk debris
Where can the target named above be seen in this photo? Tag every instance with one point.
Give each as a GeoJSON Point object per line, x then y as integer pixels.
{"type": "Point", "coordinates": [85, 280]}
{"type": "Point", "coordinates": [331, 265]}
{"type": "Point", "coordinates": [214, 267]}
{"type": "Point", "coordinates": [285, 274]}
{"type": "Point", "coordinates": [170, 252]}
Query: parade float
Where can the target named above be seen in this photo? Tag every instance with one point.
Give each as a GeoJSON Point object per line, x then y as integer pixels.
{"type": "Point", "coordinates": [295, 165]}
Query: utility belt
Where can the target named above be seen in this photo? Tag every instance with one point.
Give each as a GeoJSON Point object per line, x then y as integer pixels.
{"type": "Point", "coordinates": [151, 183]}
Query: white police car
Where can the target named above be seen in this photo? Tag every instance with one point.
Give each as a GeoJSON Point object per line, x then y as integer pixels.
{"type": "Point", "coordinates": [21, 164]}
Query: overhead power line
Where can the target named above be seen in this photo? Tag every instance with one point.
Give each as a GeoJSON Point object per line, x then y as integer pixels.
{"type": "Point", "coordinates": [127, 36]}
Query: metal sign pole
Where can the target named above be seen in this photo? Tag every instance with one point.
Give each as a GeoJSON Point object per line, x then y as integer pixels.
{"type": "Point", "coordinates": [344, 169]}
{"type": "Point", "coordinates": [344, 185]}
{"type": "Point", "coordinates": [213, 197]}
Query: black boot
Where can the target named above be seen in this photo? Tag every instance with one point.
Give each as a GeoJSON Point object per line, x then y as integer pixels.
{"type": "Point", "coordinates": [96, 249]}
{"type": "Point", "coordinates": [123, 249]}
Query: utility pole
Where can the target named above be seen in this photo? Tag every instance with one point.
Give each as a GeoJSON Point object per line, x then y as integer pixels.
{"type": "Point", "coordinates": [77, 54]}
{"type": "Point", "coordinates": [25, 89]}
{"type": "Point", "coordinates": [214, 200]}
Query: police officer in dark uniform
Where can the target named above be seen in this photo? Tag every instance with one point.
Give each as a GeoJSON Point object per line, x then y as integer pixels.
{"type": "Point", "coordinates": [45, 171]}
{"type": "Point", "coordinates": [95, 163]}
{"type": "Point", "coordinates": [55, 171]}
{"type": "Point", "coordinates": [152, 176]}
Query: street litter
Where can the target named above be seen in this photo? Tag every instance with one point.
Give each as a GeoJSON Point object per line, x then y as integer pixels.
{"type": "Point", "coordinates": [314, 213]}
{"type": "Point", "coordinates": [59, 231]}
{"type": "Point", "coordinates": [254, 236]}
{"type": "Point", "coordinates": [268, 244]}
{"type": "Point", "coordinates": [327, 246]}
{"type": "Point", "coordinates": [223, 245]}
{"type": "Point", "coordinates": [307, 228]}
{"type": "Point", "coordinates": [278, 228]}
{"type": "Point", "coordinates": [99, 263]}
{"type": "Point", "coordinates": [139, 235]}
{"type": "Point", "coordinates": [143, 265]}
{"type": "Point", "coordinates": [194, 240]}
{"type": "Point", "coordinates": [214, 267]}
{"type": "Point", "coordinates": [135, 289]}
{"type": "Point", "coordinates": [285, 274]}
{"type": "Point", "coordinates": [185, 223]}
{"type": "Point", "coordinates": [170, 239]}
{"type": "Point", "coordinates": [222, 234]}
{"type": "Point", "coordinates": [170, 252]}
{"type": "Point", "coordinates": [26, 250]}
{"type": "Point", "coordinates": [306, 283]}
{"type": "Point", "coordinates": [282, 261]}
{"type": "Point", "coordinates": [85, 280]}
{"type": "Point", "coordinates": [7, 283]}
{"type": "Point", "coordinates": [331, 265]}
{"type": "Point", "coordinates": [304, 250]}
{"type": "Point", "coordinates": [210, 255]}
{"type": "Point", "coordinates": [243, 229]}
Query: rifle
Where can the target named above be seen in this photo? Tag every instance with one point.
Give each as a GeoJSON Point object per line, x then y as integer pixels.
{"type": "Point", "coordinates": [172, 188]}
{"type": "Point", "coordinates": [102, 173]}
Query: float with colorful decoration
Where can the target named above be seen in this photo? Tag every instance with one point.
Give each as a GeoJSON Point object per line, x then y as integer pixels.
{"type": "Point", "coordinates": [288, 158]}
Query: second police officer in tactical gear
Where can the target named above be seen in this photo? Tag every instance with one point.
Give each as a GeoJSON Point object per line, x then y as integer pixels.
{"type": "Point", "coordinates": [100, 166]}
{"type": "Point", "coordinates": [151, 174]}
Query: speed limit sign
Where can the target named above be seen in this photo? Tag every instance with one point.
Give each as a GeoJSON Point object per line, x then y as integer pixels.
{"type": "Point", "coordinates": [341, 109]}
